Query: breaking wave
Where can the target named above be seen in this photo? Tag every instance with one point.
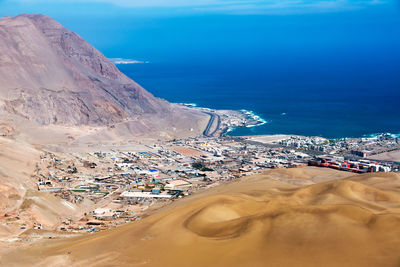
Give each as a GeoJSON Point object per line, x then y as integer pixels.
{"type": "Point", "coordinates": [254, 117]}
{"type": "Point", "coordinates": [127, 61]}
{"type": "Point", "coordinates": [190, 105]}
{"type": "Point", "coordinates": [381, 135]}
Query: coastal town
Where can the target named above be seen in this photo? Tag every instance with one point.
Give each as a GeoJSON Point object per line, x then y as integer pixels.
{"type": "Point", "coordinates": [199, 133]}
{"type": "Point", "coordinates": [119, 186]}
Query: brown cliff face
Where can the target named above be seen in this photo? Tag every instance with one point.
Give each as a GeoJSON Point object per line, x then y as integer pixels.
{"type": "Point", "coordinates": [50, 75]}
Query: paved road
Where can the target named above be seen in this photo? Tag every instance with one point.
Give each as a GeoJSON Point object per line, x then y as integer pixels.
{"type": "Point", "coordinates": [213, 117]}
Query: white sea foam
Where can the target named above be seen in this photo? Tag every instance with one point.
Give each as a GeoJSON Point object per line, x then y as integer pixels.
{"type": "Point", "coordinates": [127, 61]}
{"type": "Point", "coordinates": [253, 116]}
{"type": "Point", "coordinates": [377, 135]}
{"type": "Point", "coordinates": [191, 105]}
{"type": "Point", "coordinates": [230, 129]}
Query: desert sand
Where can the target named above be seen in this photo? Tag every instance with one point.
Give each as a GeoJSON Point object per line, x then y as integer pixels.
{"type": "Point", "coordinates": [186, 151]}
{"type": "Point", "coordinates": [256, 221]}
{"type": "Point", "coordinates": [390, 156]}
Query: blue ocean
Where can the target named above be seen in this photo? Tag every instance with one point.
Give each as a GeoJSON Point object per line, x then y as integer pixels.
{"type": "Point", "coordinates": [332, 99]}
{"type": "Point", "coordinates": [331, 73]}
{"type": "Point", "coordinates": [334, 74]}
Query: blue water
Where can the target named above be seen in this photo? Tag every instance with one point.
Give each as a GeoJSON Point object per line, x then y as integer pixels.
{"type": "Point", "coordinates": [332, 98]}
{"type": "Point", "coordinates": [334, 74]}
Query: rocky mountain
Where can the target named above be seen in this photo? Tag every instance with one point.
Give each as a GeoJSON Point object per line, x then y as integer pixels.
{"type": "Point", "coordinates": [51, 75]}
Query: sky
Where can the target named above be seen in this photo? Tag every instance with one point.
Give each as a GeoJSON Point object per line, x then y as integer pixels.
{"type": "Point", "coordinates": [307, 35]}
{"type": "Point", "coordinates": [204, 30]}
{"type": "Point", "coordinates": [220, 6]}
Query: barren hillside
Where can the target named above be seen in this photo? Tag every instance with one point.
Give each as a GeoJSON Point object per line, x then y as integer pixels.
{"type": "Point", "coordinates": [21, 204]}
{"type": "Point", "coordinates": [49, 75]}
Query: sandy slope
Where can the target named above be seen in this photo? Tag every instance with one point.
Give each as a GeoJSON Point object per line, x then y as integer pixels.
{"type": "Point", "coordinates": [20, 202]}
{"type": "Point", "coordinates": [390, 156]}
{"type": "Point", "coordinates": [255, 222]}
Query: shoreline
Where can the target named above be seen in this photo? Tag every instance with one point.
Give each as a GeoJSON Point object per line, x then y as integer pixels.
{"type": "Point", "coordinates": [248, 119]}
{"type": "Point", "coordinates": [228, 120]}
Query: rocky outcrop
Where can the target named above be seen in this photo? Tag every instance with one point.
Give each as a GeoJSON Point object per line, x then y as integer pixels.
{"type": "Point", "coordinates": [50, 75]}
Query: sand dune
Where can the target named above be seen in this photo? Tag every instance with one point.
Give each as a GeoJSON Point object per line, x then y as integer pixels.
{"type": "Point", "coordinates": [257, 221]}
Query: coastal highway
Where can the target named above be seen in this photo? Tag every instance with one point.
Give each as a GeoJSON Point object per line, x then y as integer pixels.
{"type": "Point", "coordinates": [213, 116]}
